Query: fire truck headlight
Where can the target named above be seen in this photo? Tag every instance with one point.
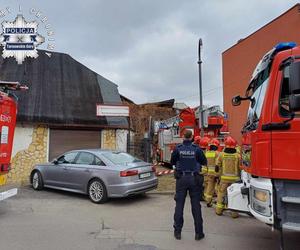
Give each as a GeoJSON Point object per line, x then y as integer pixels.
{"type": "Point", "coordinates": [260, 201]}
{"type": "Point", "coordinates": [261, 195]}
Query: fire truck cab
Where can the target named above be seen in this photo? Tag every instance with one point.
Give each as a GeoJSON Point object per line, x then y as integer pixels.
{"type": "Point", "coordinates": [270, 186]}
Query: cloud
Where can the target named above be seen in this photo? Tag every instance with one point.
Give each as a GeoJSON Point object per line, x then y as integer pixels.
{"type": "Point", "coordinates": [149, 48]}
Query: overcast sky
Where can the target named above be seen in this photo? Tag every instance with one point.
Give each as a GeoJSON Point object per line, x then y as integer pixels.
{"type": "Point", "coordinates": [149, 47]}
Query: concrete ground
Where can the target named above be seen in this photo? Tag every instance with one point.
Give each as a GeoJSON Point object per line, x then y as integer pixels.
{"type": "Point", "coordinates": [59, 220]}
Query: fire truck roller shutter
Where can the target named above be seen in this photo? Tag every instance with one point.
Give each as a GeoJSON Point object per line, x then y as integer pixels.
{"type": "Point", "coordinates": [62, 140]}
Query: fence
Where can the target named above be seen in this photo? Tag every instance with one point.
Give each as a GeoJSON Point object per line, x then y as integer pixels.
{"type": "Point", "coordinates": [142, 149]}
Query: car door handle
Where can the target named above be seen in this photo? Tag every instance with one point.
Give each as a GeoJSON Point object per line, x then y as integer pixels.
{"type": "Point", "coordinates": [86, 170]}
{"type": "Point", "coordinates": [65, 168]}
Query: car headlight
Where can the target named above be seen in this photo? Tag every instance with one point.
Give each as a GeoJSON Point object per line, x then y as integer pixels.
{"type": "Point", "coordinates": [260, 201]}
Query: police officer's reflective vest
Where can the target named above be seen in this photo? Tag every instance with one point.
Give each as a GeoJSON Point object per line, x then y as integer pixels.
{"type": "Point", "coordinates": [229, 166]}
{"type": "Point", "coordinates": [211, 157]}
{"type": "Point", "coordinates": [187, 157]}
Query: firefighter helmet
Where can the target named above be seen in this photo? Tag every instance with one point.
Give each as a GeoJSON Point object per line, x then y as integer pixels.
{"type": "Point", "coordinates": [214, 142]}
{"type": "Point", "coordinates": [230, 142]}
{"type": "Point", "coordinates": [197, 140]}
{"type": "Point", "coordinates": [204, 142]}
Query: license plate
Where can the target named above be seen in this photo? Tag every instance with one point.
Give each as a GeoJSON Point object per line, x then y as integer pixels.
{"type": "Point", "coordinates": [145, 175]}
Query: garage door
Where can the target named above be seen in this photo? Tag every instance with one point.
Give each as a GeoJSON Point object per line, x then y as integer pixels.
{"type": "Point", "coordinates": [65, 140]}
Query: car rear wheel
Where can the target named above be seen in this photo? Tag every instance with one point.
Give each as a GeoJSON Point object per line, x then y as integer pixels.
{"type": "Point", "coordinates": [97, 191]}
{"type": "Point", "coordinates": [37, 181]}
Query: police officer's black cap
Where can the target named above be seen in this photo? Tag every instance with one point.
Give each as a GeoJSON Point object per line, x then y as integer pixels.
{"type": "Point", "coordinates": [188, 134]}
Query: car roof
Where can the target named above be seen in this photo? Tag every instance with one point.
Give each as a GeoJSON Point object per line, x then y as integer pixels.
{"type": "Point", "coordinates": [95, 150]}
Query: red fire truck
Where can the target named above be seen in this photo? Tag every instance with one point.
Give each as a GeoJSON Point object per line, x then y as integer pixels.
{"type": "Point", "coordinates": [8, 113]}
{"type": "Point", "coordinates": [270, 186]}
{"type": "Point", "coordinates": [170, 131]}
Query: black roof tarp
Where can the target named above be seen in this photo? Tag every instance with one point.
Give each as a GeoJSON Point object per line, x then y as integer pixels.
{"type": "Point", "coordinates": [61, 91]}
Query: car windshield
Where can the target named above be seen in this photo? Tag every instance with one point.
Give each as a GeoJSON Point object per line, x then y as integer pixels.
{"type": "Point", "coordinates": [120, 158]}
{"type": "Point", "coordinates": [259, 84]}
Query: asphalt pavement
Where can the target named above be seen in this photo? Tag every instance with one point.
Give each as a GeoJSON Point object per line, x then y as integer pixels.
{"type": "Point", "coordinates": [59, 220]}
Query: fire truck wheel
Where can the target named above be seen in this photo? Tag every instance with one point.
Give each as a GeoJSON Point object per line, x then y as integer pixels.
{"type": "Point", "coordinates": [97, 191]}
{"type": "Point", "coordinates": [37, 181]}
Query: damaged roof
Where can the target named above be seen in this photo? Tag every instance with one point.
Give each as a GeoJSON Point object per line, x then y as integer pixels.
{"type": "Point", "coordinates": [62, 91]}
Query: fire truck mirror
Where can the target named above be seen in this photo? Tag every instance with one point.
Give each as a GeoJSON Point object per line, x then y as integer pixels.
{"type": "Point", "coordinates": [236, 100]}
{"type": "Point", "coordinates": [253, 102]}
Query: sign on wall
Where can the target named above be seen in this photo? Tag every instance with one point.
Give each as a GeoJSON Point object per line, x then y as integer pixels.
{"type": "Point", "coordinates": [111, 110]}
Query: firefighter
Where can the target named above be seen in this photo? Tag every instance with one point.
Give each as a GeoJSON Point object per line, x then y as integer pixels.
{"type": "Point", "coordinates": [188, 159]}
{"type": "Point", "coordinates": [204, 146]}
{"type": "Point", "coordinates": [211, 156]}
{"type": "Point", "coordinates": [228, 167]}
{"type": "Point", "coordinates": [197, 140]}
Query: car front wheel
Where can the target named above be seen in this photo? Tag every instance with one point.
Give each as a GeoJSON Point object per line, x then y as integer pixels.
{"type": "Point", "coordinates": [97, 191]}
{"type": "Point", "coordinates": [37, 181]}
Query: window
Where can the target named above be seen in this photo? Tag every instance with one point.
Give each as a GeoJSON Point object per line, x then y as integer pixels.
{"type": "Point", "coordinates": [85, 158]}
{"type": "Point", "coordinates": [98, 162]}
{"type": "Point", "coordinates": [285, 93]}
{"type": "Point", "coordinates": [120, 158]}
{"type": "Point", "coordinates": [4, 135]}
{"type": "Point", "coordinates": [68, 158]}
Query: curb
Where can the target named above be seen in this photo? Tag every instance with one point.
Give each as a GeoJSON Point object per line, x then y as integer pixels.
{"type": "Point", "coordinates": [162, 192]}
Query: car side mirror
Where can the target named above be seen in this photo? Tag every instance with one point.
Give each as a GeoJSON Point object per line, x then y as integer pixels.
{"type": "Point", "coordinates": [55, 162]}
{"type": "Point", "coordinates": [294, 85]}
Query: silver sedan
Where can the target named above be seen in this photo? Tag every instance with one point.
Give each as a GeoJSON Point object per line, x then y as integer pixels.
{"type": "Point", "coordinates": [101, 174]}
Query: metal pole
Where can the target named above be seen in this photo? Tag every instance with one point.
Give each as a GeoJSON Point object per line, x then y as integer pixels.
{"type": "Point", "coordinates": [128, 136]}
{"type": "Point", "coordinates": [201, 125]}
{"type": "Point", "coordinates": [281, 239]}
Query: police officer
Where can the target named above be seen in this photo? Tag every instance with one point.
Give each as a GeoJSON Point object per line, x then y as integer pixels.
{"type": "Point", "coordinates": [228, 166]}
{"type": "Point", "coordinates": [188, 159]}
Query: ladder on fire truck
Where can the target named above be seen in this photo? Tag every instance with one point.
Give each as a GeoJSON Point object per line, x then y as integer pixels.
{"type": "Point", "coordinates": [5, 86]}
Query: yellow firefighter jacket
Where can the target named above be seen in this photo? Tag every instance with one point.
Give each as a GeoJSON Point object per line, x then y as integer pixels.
{"type": "Point", "coordinates": [229, 165]}
{"type": "Point", "coordinates": [211, 157]}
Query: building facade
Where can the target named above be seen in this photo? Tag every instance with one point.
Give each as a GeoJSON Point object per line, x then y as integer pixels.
{"type": "Point", "coordinates": [239, 61]}
{"type": "Point", "coordinates": [58, 112]}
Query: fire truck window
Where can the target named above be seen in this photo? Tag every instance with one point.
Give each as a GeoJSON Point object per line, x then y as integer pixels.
{"type": "Point", "coordinates": [4, 135]}
{"type": "Point", "coordinates": [68, 158]}
{"type": "Point", "coordinates": [175, 131]}
{"type": "Point", "coordinates": [284, 95]}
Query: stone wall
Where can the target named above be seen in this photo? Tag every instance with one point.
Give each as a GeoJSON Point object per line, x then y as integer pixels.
{"type": "Point", "coordinates": [108, 139]}
{"type": "Point", "coordinates": [23, 162]}
{"type": "Point", "coordinates": [121, 139]}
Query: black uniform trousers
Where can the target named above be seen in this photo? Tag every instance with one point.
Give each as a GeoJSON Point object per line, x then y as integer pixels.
{"type": "Point", "coordinates": [193, 185]}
